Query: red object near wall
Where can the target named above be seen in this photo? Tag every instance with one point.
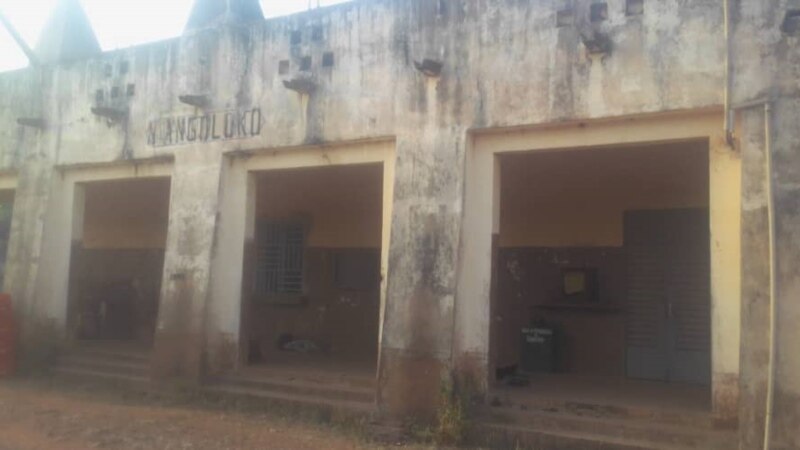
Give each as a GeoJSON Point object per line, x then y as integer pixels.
{"type": "Point", "coordinates": [7, 337]}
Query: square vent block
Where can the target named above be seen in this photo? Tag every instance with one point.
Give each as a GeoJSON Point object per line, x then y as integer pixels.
{"type": "Point", "coordinates": [565, 18]}
{"type": "Point", "coordinates": [317, 34]}
{"type": "Point", "coordinates": [327, 59]}
{"type": "Point", "coordinates": [634, 7]}
{"type": "Point", "coordinates": [791, 22]}
{"type": "Point", "coordinates": [283, 67]}
{"type": "Point", "coordinates": [305, 63]}
{"type": "Point", "coordinates": [598, 12]}
{"type": "Point", "coordinates": [296, 37]}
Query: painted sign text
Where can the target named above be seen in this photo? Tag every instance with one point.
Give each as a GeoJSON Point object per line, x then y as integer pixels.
{"type": "Point", "coordinates": [214, 126]}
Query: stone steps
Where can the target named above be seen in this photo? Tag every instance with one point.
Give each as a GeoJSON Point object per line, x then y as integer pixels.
{"type": "Point", "coordinates": [87, 374]}
{"type": "Point", "coordinates": [104, 364]}
{"type": "Point", "coordinates": [655, 414]}
{"type": "Point", "coordinates": [614, 431]}
{"type": "Point", "coordinates": [338, 393]}
{"type": "Point", "coordinates": [359, 379]}
{"type": "Point", "coordinates": [544, 422]}
{"type": "Point", "coordinates": [133, 356]}
{"type": "Point", "coordinates": [300, 386]}
{"type": "Point", "coordinates": [497, 435]}
{"type": "Point", "coordinates": [294, 399]}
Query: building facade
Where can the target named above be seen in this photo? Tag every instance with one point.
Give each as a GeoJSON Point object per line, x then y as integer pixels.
{"type": "Point", "coordinates": [406, 185]}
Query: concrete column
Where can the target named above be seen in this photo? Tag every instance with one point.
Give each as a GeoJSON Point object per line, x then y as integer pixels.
{"type": "Point", "coordinates": [416, 341]}
{"type": "Point", "coordinates": [725, 166]}
{"type": "Point", "coordinates": [235, 233]}
{"type": "Point", "coordinates": [755, 349]}
{"type": "Point", "coordinates": [755, 279]}
{"type": "Point", "coordinates": [473, 311]}
{"type": "Point", "coordinates": [386, 239]}
{"type": "Point", "coordinates": [180, 340]}
{"type": "Point", "coordinates": [37, 269]}
{"type": "Point", "coordinates": [786, 151]}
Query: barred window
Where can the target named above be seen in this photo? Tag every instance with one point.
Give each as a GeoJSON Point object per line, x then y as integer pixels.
{"type": "Point", "coordinates": [280, 259]}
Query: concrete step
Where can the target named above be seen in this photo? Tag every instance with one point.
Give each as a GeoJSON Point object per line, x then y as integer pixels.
{"type": "Point", "coordinates": [636, 432]}
{"type": "Point", "coordinates": [389, 432]}
{"type": "Point", "coordinates": [129, 356]}
{"type": "Point", "coordinates": [336, 391]}
{"type": "Point", "coordinates": [496, 435]}
{"type": "Point", "coordinates": [89, 374]}
{"type": "Point", "coordinates": [295, 399]}
{"type": "Point", "coordinates": [101, 362]}
{"type": "Point", "coordinates": [105, 364]}
{"type": "Point", "coordinates": [654, 414]}
{"type": "Point", "coordinates": [316, 376]}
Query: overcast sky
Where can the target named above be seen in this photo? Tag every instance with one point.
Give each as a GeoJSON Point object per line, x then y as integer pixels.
{"type": "Point", "coordinates": [118, 23]}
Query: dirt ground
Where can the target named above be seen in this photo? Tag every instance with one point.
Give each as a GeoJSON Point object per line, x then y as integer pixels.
{"type": "Point", "coordinates": [44, 416]}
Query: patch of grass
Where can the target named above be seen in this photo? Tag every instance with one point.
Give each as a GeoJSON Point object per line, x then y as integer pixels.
{"type": "Point", "coordinates": [451, 418]}
{"type": "Point", "coordinates": [451, 423]}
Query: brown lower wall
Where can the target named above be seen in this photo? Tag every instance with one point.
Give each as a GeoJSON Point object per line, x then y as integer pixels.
{"type": "Point", "coordinates": [343, 322]}
{"type": "Point", "coordinates": [529, 284]}
{"type": "Point", "coordinates": [410, 384]}
{"type": "Point", "coordinates": [115, 276]}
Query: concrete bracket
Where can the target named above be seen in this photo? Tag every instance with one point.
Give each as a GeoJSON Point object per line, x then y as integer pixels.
{"type": "Point", "coordinates": [199, 101]}
{"type": "Point", "coordinates": [596, 43]}
{"type": "Point", "coordinates": [429, 67]}
{"type": "Point", "coordinates": [301, 84]}
{"type": "Point", "coordinates": [32, 122]}
{"type": "Point", "coordinates": [115, 115]}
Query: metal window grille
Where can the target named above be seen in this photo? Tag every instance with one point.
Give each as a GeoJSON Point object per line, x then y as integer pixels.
{"type": "Point", "coordinates": [280, 259]}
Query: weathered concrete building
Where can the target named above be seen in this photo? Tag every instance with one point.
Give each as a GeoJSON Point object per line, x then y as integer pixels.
{"type": "Point", "coordinates": [388, 192]}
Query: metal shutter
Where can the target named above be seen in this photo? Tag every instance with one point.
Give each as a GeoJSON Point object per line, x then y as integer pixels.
{"type": "Point", "coordinates": [668, 314]}
{"type": "Point", "coordinates": [645, 329]}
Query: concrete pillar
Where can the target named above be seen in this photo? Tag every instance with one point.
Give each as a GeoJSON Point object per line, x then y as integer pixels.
{"type": "Point", "coordinates": [755, 349]}
{"type": "Point", "coordinates": [473, 311]}
{"type": "Point", "coordinates": [39, 247]}
{"type": "Point", "coordinates": [725, 167]}
{"type": "Point", "coordinates": [235, 234]}
{"type": "Point", "coordinates": [416, 341]}
{"type": "Point", "coordinates": [755, 279]}
{"type": "Point", "coordinates": [786, 151]}
{"type": "Point", "coordinates": [180, 340]}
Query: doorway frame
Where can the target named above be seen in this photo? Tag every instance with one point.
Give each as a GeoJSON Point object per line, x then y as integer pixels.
{"type": "Point", "coordinates": [238, 225]}
{"type": "Point", "coordinates": [481, 225]}
{"type": "Point", "coordinates": [64, 225]}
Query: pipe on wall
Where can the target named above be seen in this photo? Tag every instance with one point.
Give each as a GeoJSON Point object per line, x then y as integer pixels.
{"type": "Point", "coordinates": [766, 104]}
{"type": "Point", "coordinates": [773, 287]}
{"type": "Point", "coordinates": [728, 125]}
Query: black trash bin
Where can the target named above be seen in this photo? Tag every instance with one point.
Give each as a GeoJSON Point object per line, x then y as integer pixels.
{"type": "Point", "coordinates": [539, 349]}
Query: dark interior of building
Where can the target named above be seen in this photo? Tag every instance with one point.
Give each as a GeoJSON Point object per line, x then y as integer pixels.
{"type": "Point", "coordinates": [602, 268]}
{"type": "Point", "coordinates": [116, 267]}
{"type": "Point", "coordinates": [313, 272]}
